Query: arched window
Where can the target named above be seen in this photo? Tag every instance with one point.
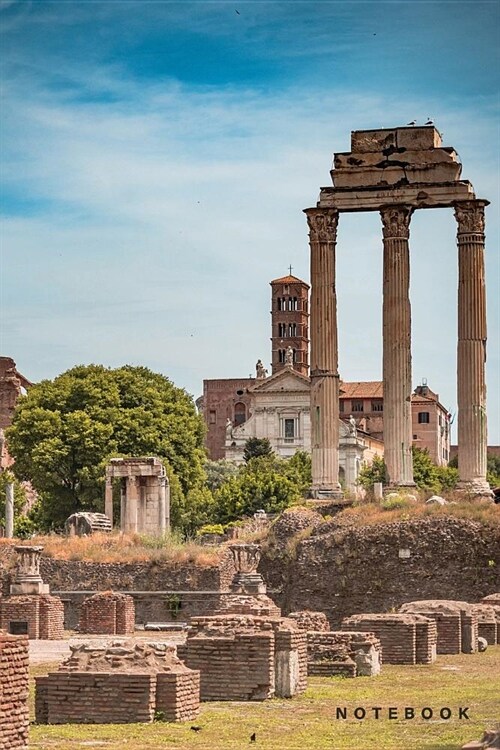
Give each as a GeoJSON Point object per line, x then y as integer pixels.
{"type": "Point", "coordinates": [240, 413]}
{"type": "Point", "coordinates": [292, 329]}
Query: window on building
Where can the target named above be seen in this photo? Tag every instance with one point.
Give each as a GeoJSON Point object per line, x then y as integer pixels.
{"type": "Point", "coordinates": [341, 407]}
{"type": "Point", "coordinates": [377, 406]}
{"type": "Point", "coordinates": [415, 437]}
{"type": "Point", "coordinates": [289, 428]}
{"type": "Point", "coordinates": [282, 330]}
{"type": "Point", "coordinates": [292, 329]}
{"type": "Point", "coordinates": [286, 289]}
{"type": "Point", "coordinates": [281, 355]}
{"type": "Point", "coordinates": [294, 355]}
{"type": "Point", "coordinates": [240, 413]}
{"type": "Point", "coordinates": [357, 406]}
{"type": "Point", "coordinates": [212, 416]}
{"type": "Point", "coordinates": [423, 417]}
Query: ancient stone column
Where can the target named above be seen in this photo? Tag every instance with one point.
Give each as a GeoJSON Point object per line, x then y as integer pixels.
{"type": "Point", "coordinates": [27, 578]}
{"type": "Point", "coordinates": [471, 350]}
{"type": "Point", "coordinates": [108, 499]}
{"type": "Point", "coordinates": [324, 354]}
{"type": "Point", "coordinates": [9, 510]}
{"type": "Point", "coordinates": [397, 346]}
{"type": "Point", "coordinates": [131, 505]}
{"type": "Point", "coordinates": [162, 494]}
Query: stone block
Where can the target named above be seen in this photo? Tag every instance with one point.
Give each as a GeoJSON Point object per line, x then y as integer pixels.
{"type": "Point", "coordinates": [413, 138]}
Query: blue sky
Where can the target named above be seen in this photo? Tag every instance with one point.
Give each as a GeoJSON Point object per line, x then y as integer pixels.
{"type": "Point", "coordinates": [156, 158]}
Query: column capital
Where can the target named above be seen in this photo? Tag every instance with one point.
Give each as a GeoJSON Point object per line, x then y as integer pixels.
{"type": "Point", "coordinates": [396, 221]}
{"type": "Point", "coordinates": [470, 216]}
{"type": "Point", "coordinates": [322, 224]}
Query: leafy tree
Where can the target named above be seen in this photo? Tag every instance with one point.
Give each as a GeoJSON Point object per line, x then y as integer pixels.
{"type": "Point", "coordinates": [425, 473]}
{"type": "Point", "coordinates": [371, 473]}
{"type": "Point", "coordinates": [265, 482]}
{"type": "Point", "coordinates": [217, 472]}
{"type": "Point", "coordinates": [64, 432]}
{"type": "Point", "coordinates": [256, 447]}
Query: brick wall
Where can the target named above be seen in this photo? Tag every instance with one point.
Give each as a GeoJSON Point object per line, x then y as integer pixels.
{"type": "Point", "coordinates": [44, 615]}
{"type": "Point", "coordinates": [14, 672]}
{"type": "Point", "coordinates": [94, 698]}
{"type": "Point", "coordinates": [51, 617]}
{"type": "Point", "coordinates": [178, 695]}
{"type": "Point", "coordinates": [425, 640]}
{"type": "Point", "coordinates": [307, 620]}
{"type": "Point", "coordinates": [397, 635]}
{"type": "Point", "coordinates": [108, 614]}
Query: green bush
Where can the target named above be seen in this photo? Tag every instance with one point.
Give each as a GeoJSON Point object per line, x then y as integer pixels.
{"type": "Point", "coordinates": [395, 503]}
{"type": "Point", "coordinates": [211, 528]}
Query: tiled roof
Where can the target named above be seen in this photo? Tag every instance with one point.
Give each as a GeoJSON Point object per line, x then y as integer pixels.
{"type": "Point", "coordinates": [362, 389]}
{"type": "Point", "coordinates": [288, 280]}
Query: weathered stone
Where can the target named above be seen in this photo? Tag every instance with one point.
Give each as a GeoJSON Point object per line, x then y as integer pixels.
{"type": "Point", "coordinates": [436, 500]}
{"type": "Point", "coordinates": [482, 644]}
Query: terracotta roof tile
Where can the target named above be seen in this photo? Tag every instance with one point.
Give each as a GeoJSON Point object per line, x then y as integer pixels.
{"type": "Point", "coordinates": [288, 280]}
{"type": "Point", "coordinates": [362, 389]}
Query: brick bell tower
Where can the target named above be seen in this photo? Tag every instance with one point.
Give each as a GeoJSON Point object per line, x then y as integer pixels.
{"type": "Point", "coordinates": [290, 323]}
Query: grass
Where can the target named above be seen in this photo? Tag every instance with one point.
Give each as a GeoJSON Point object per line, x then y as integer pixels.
{"type": "Point", "coordinates": [367, 514]}
{"type": "Point", "coordinates": [128, 548]}
{"type": "Point", "coordinates": [308, 722]}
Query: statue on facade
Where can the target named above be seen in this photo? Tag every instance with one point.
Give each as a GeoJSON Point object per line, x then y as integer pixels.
{"type": "Point", "coordinates": [352, 426]}
{"type": "Point", "coordinates": [289, 356]}
{"type": "Point", "coordinates": [261, 370]}
{"type": "Point", "coordinates": [229, 429]}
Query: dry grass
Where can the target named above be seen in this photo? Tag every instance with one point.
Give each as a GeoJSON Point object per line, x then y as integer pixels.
{"type": "Point", "coordinates": [123, 548]}
{"type": "Point", "coordinates": [368, 514]}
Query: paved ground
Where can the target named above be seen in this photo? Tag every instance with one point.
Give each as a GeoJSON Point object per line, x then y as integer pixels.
{"type": "Point", "coordinates": [53, 651]}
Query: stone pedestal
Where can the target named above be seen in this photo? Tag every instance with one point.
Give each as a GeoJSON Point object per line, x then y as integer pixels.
{"type": "Point", "coordinates": [397, 347]}
{"type": "Point", "coordinates": [28, 580]}
{"type": "Point", "coordinates": [471, 350]}
{"type": "Point", "coordinates": [324, 355]}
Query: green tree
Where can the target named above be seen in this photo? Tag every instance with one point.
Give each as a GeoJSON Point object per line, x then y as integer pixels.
{"type": "Point", "coordinates": [218, 472]}
{"type": "Point", "coordinates": [256, 447]}
{"type": "Point", "coordinates": [266, 482]}
{"type": "Point", "coordinates": [371, 473]}
{"type": "Point", "coordinates": [64, 432]}
{"type": "Point", "coordinates": [425, 471]}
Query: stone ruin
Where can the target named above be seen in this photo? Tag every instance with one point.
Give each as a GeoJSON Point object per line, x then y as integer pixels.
{"type": "Point", "coordinates": [405, 638]}
{"type": "Point", "coordinates": [30, 609]}
{"type": "Point", "coordinates": [122, 683]}
{"type": "Point", "coordinates": [246, 658]}
{"type": "Point", "coordinates": [456, 622]}
{"type": "Point", "coordinates": [84, 524]}
{"type": "Point", "coordinates": [107, 613]}
{"type": "Point", "coordinates": [14, 673]}
{"type": "Point", "coordinates": [144, 495]}
{"type": "Point", "coordinates": [331, 653]}
{"type": "Point", "coordinates": [488, 623]}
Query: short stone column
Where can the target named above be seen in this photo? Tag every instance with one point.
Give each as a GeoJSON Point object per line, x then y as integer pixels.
{"type": "Point", "coordinates": [163, 505]}
{"type": "Point", "coordinates": [324, 354]}
{"type": "Point", "coordinates": [397, 346]}
{"type": "Point", "coordinates": [108, 499]}
{"type": "Point", "coordinates": [471, 350]}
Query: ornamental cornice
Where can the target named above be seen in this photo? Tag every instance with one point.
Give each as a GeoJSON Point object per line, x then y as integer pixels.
{"type": "Point", "coordinates": [396, 222]}
{"type": "Point", "coordinates": [322, 224]}
{"type": "Point", "coordinates": [470, 217]}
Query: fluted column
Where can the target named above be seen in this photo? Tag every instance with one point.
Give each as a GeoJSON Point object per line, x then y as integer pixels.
{"type": "Point", "coordinates": [471, 350]}
{"type": "Point", "coordinates": [324, 354]}
{"type": "Point", "coordinates": [131, 506]}
{"type": "Point", "coordinates": [397, 346]}
{"type": "Point", "coordinates": [108, 499]}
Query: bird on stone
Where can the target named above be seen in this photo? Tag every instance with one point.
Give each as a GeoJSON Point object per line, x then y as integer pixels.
{"type": "Point", "coordinates": [429, 122]}
{"type": "Point", "coordinates": [413, 122]}
{"type": "Point", "coordinates": [253, 737]}
{"type": "Point", "coordinates": [196, 729]}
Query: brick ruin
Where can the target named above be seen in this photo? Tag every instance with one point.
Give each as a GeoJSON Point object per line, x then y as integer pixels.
{"type": "Point", "coordinates": [122, 683]}
{"type": "Point", "coordinates": [488, 623]}
{"type": "Point", "coordinates": [30, 609]}
{"type": "Point", "coordinates": [244, 657]}
{"type": "Point", "coordinates": [456, 622]}
{"type": "Point", "coordinates": [308, 620]}
{"type": "Point", "coordinates": [405, 638]}
{"type": "Point", "coordinates": [345, 653]}
{"type": "Point", "coordinates": [14, 672]}
{"type": "Point", "coordinates": [108, 613]}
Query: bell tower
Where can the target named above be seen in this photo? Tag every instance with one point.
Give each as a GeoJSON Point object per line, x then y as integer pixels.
{"type": "Point", "coordinates": [290, 323]}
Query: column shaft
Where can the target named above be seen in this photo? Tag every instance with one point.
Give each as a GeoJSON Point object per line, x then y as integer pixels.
{"type": "Point", "coordinates": [162, 494]}
{"type": "Point", "coordinates": [108, 499]}
{"type": "Point", "coordinates": [9, 510]}
{"type": "Point", "coordinates": [131, 505]}
{"type": "Point", "coordinates": [324, 354]}
{"type": "Point", "coordinates": [397, 347]}
{"type": "Point", "coordinates": [471, 349]}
